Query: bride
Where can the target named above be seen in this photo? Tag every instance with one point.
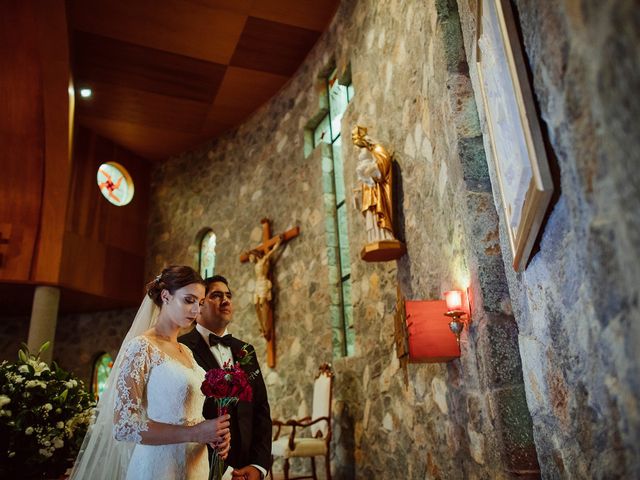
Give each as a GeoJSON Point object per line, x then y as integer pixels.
{"type": "Point", "coordinates": [149, 423]}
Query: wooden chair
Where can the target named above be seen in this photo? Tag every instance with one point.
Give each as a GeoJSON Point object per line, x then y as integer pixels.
{"type": "Point", "coordinates": [319, 425]}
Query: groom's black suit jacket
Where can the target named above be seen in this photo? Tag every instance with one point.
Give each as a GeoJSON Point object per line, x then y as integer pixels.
{"type": "Point", "coordinates": [250, 421]}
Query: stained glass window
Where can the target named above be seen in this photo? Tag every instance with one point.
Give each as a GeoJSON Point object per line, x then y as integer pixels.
{"type": "Point", "coordinates": [115, 183]}
{"type": "Point", "coordinates": [322, 133]}
{"type": "Point", "coordinates": [328, 131]}
{"type": "Point", "coordinates": [208, 254]}
{"type": "Point", "coordinates": [338, 101]}
{"type": "Point", "coordinates": [101, 370]}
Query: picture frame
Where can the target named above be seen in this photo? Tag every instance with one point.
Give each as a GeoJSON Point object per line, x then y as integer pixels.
{"type": "Point", "coordinates": [517, 147]}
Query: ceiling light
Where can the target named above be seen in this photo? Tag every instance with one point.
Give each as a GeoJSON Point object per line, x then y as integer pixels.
{"type": "Point", "coordinates": [86, 92]}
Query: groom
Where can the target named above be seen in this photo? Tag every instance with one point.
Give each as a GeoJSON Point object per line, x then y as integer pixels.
{"type": "Point", "coordinates": [212, 346]}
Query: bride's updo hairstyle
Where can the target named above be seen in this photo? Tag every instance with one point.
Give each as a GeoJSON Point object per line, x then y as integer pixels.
{"type": "Point", "coordinates": [172, 278]}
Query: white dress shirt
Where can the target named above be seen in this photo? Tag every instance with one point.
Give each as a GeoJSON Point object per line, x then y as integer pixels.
{"type": "Point", "coordinates": [221, 352]}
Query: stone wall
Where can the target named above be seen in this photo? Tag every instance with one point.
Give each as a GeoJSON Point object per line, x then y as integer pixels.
{"type": "Point", "coordinates": [465, 419]}
{"type": "Point", "coordinates": [13, 330]}
{"type": "Point", "coordinates": [80, 338]}
{"type": "Point", "coordinates": [576, 304]}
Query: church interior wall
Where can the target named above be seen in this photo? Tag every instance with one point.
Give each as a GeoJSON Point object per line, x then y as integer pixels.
{"type": "Point", "coordinates": [80, 338]}
{"type": "Point", "coordinates": [465, 418]}
{"type": "Point", "coordinates": [549, 365]}
{"type": "Point", "coordinates": [576, 304]}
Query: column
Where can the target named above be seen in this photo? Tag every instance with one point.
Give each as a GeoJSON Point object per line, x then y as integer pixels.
{"type": "Point", "coordinates": [44, 317]}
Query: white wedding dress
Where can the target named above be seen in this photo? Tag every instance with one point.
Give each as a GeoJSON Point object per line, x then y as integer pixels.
{"type": "Point", "coordinates": [154, 386]}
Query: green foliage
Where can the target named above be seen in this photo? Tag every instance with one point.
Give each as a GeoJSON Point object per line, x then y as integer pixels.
{"type": "Point", "coordinates": [44, 415]}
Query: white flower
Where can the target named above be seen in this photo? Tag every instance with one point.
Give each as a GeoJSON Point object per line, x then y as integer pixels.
{"type": "Point", "coordinates": [4, 400]}
{"type": "Point", "coordinates": [12, 454]}
{"type": "Point", "coordinates": [18, 379]}
{"type": "Point", "coordinates": [58, 442]}
{"type": "Point", "coordinates": [60, 425]}
{"type": "Point", "coordinates": [47, 407]}
{"type": "Point", "coordinates": [47, 443]}
{"type": "Point", "coordinates": [23, 369]}
{"type": "Point", "coordinates": [28, 431]}
{"type": "Point", "coordinates": [35, 383]}
{"type": "Point", "coordinates": [45, 452]}
{"type": "Point", "coordinates": [39, 367]}
{"type": "Point", "coordinates": [71, 383]}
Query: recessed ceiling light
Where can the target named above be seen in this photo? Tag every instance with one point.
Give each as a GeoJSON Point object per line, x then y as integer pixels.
{"type": "Point", "coordinates": [86, 92]}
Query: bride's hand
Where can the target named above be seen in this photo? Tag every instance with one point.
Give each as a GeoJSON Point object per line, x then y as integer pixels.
{"type": "Point", "coordinates": [211, 431]}
{"type": "Point", "coordinates": [223, 446]}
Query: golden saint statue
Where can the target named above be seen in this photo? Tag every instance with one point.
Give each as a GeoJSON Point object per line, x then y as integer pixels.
{"type": "Point", "coordinates": [375, 171]}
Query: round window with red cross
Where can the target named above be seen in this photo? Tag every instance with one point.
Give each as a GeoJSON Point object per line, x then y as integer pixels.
{"type": "Point", "coordinates": [115, 183]}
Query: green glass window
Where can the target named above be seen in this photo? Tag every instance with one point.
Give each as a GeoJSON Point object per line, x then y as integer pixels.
{"type": "Point", "coordinates": [322, 133]}
{"type": "Point", "coordinates": [338, 100]}
{"type": "Point", "coordinates": [101, 370]}
{"type": "Point", "coordinates": [207, 254]}
{"type": "Point", "coordinates": [328, 131]}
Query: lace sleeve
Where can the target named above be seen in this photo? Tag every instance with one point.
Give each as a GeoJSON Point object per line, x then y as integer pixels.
{"type": "Point", "coordinates": [130, 416]}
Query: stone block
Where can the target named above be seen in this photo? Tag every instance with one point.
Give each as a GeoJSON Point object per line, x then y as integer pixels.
{"type": "Point", "coordinates": [605, 269]}
{"type": "Point", "coordinates": [474, 164]}
{"type": "Point", "coordinates": [497, 340]}
{"type": "Point", "coordinates": [452, 42]}
{"type": "Point", "coordinates": [513, 423]}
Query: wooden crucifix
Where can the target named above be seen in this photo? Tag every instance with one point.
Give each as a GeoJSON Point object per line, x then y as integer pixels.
{"type": "Point", "coordinates": [262, 296]}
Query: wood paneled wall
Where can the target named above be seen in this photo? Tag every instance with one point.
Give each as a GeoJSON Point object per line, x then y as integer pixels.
{"type": "Point", "coordinates": [104, 245]}
{"type": "Point", "coordinates": [34, 138]}
{"type": "Point", "coordinates": [55, 226]}
{"type": "Point", "coordinates": [21, 140]}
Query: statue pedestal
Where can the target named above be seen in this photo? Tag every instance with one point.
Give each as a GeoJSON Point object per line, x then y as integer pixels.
{"type": "Point", "coordinates": [383, 251]}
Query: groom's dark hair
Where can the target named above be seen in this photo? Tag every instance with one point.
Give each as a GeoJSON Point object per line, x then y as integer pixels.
{"type": "Point", "coordinates": [216, 278]}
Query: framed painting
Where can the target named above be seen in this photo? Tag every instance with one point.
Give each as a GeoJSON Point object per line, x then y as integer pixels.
{"type": "Point", "coordinates": [518, 150]}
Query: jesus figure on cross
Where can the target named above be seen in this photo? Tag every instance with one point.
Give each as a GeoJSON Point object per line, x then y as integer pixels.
{"type": "Point", "coordinates": [262, 293]}
{"type": "Point", "coordinates": [263, 297]}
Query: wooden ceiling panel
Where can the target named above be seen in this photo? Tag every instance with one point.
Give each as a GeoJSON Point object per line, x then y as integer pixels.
{"type": "Point", "coordinates": [273, 47]}
{"type": "Point", "coordinates": [309, 14]}
{"type": "Point", "coordinates": [103, 59]}
{"type": "Point", "coordinates": [190, 28]}
{"type": "Point", "coordinates": [241, 93]}
{"type": "Point", "coordinates": [121, 103]}
{"type": "Point", "coordinates": [148, 142]}
{"type": "Point", "coordinates": [170, 74]}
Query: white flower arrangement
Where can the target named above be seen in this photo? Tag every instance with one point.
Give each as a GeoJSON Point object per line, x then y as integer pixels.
{"type": "Point", "coordinates": [44, 415]}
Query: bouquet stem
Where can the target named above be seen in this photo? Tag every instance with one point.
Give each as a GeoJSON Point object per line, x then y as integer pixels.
{"type": "Point", "coordinates": [218, 466]}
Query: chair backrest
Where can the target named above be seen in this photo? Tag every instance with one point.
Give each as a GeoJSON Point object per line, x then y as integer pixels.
{"type": "Point", "coordinates": [322, 399]}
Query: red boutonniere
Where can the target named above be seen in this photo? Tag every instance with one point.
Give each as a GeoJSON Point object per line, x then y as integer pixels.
{"type": "Point", "coordinates": [243, 356]}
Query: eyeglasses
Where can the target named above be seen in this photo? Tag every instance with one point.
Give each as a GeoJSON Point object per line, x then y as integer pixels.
{"type": "Point", "coordinates": [218, 295]}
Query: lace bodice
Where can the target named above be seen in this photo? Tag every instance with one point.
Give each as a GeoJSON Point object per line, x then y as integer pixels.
{"type": "Point", "coordinates": [154, 386]}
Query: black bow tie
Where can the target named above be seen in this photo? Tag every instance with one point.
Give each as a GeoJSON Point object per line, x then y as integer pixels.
{"type": "Point", "coordinates": [225, 340]}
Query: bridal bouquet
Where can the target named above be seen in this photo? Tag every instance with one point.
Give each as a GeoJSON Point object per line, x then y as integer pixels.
{"type": "Point", "coordinates": [44, 415]}
{"type": "Point", "coordinates": [227, 386]}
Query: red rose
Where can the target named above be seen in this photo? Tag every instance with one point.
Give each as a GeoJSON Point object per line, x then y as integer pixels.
{"type": "Point", "coordinates": [228, 385]}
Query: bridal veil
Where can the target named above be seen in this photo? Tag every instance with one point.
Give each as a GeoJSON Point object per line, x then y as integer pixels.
{"type": "Point", "coordinates": [101, 457]}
